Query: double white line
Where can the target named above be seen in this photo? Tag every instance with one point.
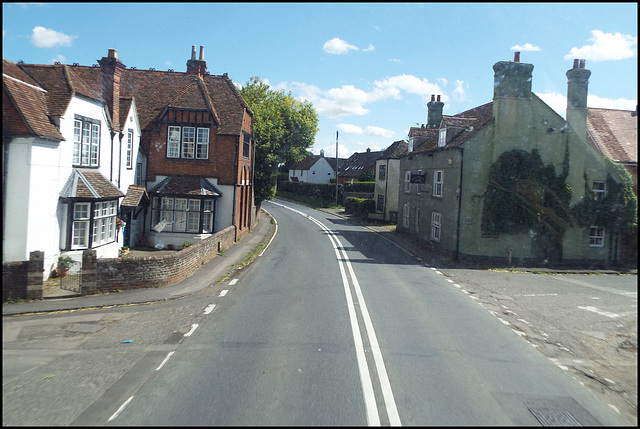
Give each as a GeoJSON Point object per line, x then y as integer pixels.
{"type": "Point", "coordinates": [373, 417]}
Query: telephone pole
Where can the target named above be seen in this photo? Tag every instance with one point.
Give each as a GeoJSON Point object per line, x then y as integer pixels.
{"type": "Point", "coordinates": [336, 169]}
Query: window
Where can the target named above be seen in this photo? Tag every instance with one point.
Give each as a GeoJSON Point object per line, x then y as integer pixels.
{"type": "Point", "coordinates": [139, 173]}
{"type": "Point", "coordinates": [599, 190]}
{"type": "Point", "coordinates": [438, 178]}
{"type": "Point", "coordinates": [80, 233]}
{"type": "Point", "coordinates": [187, 142]}
{"type": "Point", "coordinates": [442, 137]}
{"type": "Point", "coordinates": [417, 225]}
{"type": "Point", "coordinates": [407, 182]}
{"type": "Point", "coordinates": [418, 187]}
{"type": "Point", "coordinates": [382, 172]}
{"type": "Point", "coordinates": [436, 226]}
{"type": "Point", "coordinates": [130, 149]}
{"type": "Point", "coordinates": [246, 145]}
{"type": "Point", "coordinates": [405, 216]}
{"type": "Point", "coordinates": [596, 236]}
{"type": "Point", "coordinates": [380, 205]}
{"type": "Point", "coordinates": [104, 222]}
{"type": "Point", "coordinates": [86, 141]}
{"type": "Point", "coordinates": [181, 214]}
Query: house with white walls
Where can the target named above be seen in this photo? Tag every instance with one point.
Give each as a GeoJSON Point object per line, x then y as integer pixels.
{"type": "Point", "coordinates": [66, 165]}
{"type": "Point", "coordinates": [313, 169]}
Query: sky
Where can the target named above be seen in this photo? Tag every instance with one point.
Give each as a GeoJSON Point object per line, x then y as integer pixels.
{"type": "Point", "coordinates": [369, 69]}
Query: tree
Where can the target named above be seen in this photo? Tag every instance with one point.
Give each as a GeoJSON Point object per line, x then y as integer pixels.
{"type": "Point", "coordinates": [283, 130]}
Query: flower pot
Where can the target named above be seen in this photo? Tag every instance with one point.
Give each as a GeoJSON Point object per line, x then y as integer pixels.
{"type": "Point", "coordinates": [62, 272]}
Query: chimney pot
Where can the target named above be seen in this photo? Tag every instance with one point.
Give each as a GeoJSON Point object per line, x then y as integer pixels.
{"type": "Point", "coordinates": [516, 57]}
{"type": "Point", "coordinates": [582, 63]}
{"type": "Point", "coordinates": [438, 98]}
{"type": "Point", "coordinates": [113, 53]}
{"type": "Point", "coordinates": [433, 97]}
{"type": "Point", "coordinates": [576, 63]}
{"type": "Point", "coordinates": [193, 52]}
{"type": "Point", "coordinates": [201, 53]}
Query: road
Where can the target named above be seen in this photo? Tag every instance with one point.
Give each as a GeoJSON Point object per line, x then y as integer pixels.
{"type": "Point", "coordinates": [331, 325]}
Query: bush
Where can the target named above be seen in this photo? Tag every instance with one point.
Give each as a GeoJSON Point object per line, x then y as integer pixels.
{"type": "Point", "coordinates": [360, 206]}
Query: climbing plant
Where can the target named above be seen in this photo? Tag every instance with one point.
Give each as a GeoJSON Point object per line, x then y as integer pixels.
{"type": "Point", "coordinates": [523, 195]}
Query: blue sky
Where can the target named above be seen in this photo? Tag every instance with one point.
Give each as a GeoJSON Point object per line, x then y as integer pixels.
{"type": "Point", "coordinates": [368, 68]}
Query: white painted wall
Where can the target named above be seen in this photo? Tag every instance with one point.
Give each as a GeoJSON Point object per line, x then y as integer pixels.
{"type": "Point", "coordinates": [320, 172]}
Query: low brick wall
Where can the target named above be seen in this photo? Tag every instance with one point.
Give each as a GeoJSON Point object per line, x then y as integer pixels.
{"type": "Point", "coordinates": [14, 280]}
{"type": "Point", "coordinates": [158, 271]}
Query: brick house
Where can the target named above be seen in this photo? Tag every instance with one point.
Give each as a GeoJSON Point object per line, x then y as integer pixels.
{"type": "Point", "coordinates": [169, 153]}
{"type": "Point", "coordinates": [451, 186]}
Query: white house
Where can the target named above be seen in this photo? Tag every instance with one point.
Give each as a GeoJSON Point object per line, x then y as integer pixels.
{"type": "Point", "coordinates": [66, 165]}
{"type": "Point", "coordinates": [313, 169]}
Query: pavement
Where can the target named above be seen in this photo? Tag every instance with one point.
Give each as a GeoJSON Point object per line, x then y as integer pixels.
{"type": "Point", "coordinates": [217, 269]}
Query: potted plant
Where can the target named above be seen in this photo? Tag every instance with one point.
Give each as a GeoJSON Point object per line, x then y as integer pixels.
{"type": "Point", "coordinates": [124, 250]}
{"type": "Point", "coordinates": [64, 263]}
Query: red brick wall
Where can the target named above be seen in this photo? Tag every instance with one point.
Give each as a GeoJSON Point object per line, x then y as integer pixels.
{"type": "Point", "coordinates": [157, 271]}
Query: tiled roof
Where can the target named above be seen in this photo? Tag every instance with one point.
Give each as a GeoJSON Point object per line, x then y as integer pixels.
{"type": "Point", "coordinates": [306, 163]}
{"type": "Point", "coordinates": [395, 150]}
{"type": "Point", "coordinates": [136, 194]}
{"type": "Point", "coordinates": [31, 103]}
{"type": "Point", "coordinates": [614, 133]}
{"type": "Point", "coordinates": [89, 184]}
{"type": "Point", "coordinates": [185, 185]}
{"type": "Point", "coordinates": [359, 163]}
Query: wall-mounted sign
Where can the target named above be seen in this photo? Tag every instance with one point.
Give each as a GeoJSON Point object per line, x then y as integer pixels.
{"type": "Point", "coordinates": [418, 178]}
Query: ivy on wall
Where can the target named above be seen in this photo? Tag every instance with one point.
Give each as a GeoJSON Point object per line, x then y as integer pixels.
{"type": "Point", "coordinates": [523, 195]}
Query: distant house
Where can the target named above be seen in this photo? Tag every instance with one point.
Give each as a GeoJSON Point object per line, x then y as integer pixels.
{"type": "Point", "coordinates": [357, 165]}
{"type": "Point", "coordinates": [513, 181]}
{"type": "Point", "coordinates": [167, 155]}
{"type": "Point", "coordinates": [386, 181]}
{"type": "Point", "coordinates": [313, 169]}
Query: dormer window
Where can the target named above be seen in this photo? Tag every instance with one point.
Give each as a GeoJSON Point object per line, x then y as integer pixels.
{"type": "Point", "coordinates": [442, 137]}
{"type": "Point", "coordinates": [188, 142]}
{"type": "Point", "coordinates": [86, 142]}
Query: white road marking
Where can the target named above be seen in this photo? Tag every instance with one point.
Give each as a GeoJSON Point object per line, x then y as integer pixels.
{"type": "Point", "coordinates": [193, 328]}
{"type": "Point", "coordinates": [209, 309]}
{"type": "Point", "coordinates": [232, 282]}
{"type": "Point", "coordinates": [165, 360]}
{"type": "Point", "coordinates": [223, 292]}
{"type": "Point", "coordinates": [120, 409]}
{"type": "Point", "coordinates": [601, 312]}
{"type": "Point", "coordinates": [274, 234]}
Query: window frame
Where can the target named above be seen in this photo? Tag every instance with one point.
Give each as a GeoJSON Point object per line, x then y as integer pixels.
{"type": "Point", "coordinates": [438, 183]}
{"type": "Point", "coordinates": [86, 142]}
{"type": "Point", "coordinates": [382, 172]}
{"type": "Point", "coordinates": [436, 226]}
{"type": "Point", "coordinates": [442, 137]}
{"type": "Point", "coordinates": [188, 142]}
{"type": "Point", "coordinates": [184, 214]}
{"type": "Point", "coordinates": [599, 189]}
{"type": "Point", "coordinates": [407, 182]}
{"type": "Point", "coordinates": [129, 152]}
{"type": "Point", "coordinates": [596, 236]}
{"type": "Point", "coordinates": [405, 215]}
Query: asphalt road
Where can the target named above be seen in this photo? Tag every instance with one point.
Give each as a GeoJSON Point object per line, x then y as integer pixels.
{"type": "Point", "coordinates": [332, 325]}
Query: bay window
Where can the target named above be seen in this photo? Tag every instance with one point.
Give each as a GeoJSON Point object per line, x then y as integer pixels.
{"type": "Point", "coordinates": [183, 214]}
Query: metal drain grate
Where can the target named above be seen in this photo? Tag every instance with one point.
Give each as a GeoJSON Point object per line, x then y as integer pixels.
{"type": "Point", "coordinates": [551, 417]}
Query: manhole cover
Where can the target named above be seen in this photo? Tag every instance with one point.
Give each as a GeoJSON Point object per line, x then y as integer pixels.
{"type": "Point", "coordinates": [551, 417]}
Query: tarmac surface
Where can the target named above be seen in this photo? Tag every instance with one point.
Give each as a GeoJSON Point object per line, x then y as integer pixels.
{"type": "Point", "coordinates": [218, 268]}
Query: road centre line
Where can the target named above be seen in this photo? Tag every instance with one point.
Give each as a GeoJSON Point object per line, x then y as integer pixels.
{"type": "Point", "coordinates": [232, 282]}
{"type": "Point", "coordinates": [223, 292]}
{"type": "Point", "coordinates": [193, 328]}
{"type": "Point", "coordinates": [365, 376]}
{"type": "Point", "coordinates": [165, 360]}
{"type": "Point", "coordinates": [209, 309]}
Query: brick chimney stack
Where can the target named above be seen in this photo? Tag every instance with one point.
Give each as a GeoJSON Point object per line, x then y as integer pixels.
{"type": "Point", "coordinates": [434, 115]}
{"type": "Point", "coordinates": [112, 69]}
{"type": "Point", "coordinates": [197, 67]}
{"type": "Point", "coordinates": [577, 91]}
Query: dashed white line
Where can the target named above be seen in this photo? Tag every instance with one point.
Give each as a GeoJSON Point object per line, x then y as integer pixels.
{"type": "Point", "coordinates": [223, 292]}
{"type": "Point", "coordinates": [193, 328]}
{"type": "Point", "coordinates": [232, 282]}
{"type": "Point", "coordinates": [120, 409]}
{"type": "Point", "coordinates": [165, 360]}
{"type": "Point", "coordinates": [601, 312]}
{"type": "Point", "coordinates": [209, 309]}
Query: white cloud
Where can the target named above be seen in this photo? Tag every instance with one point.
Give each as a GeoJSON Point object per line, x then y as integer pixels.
{"type": "Point", "coordinates": [349, 129]}
{"type": "Point", "coordinates": [460, 92]}
{"type": "Point", "coordinates": [46, 38]}
{"type": "Point", "coordinates": [606, 47]}
{"type": "Point", "coordinates": [370, 48]}
{"type": "Point", "coordinates": [558, 102]}
{"type": "Point", "coordinates": [526, 47]}
{"type": "Point", "coordinates": [392, 86]}
{"type": "Point", "coordinates": [379, 132]}
{"type": "Point", "coordinates": [58, 58]}
{"type": "Point", "coordinates": [338, 46]}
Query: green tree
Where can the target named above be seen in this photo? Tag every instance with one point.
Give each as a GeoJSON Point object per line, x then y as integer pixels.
{"type": "Point", "coordinates": [283, 129]}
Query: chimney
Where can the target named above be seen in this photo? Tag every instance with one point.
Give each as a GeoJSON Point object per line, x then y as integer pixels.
{"type": "Point", "coordinates": [321, 153]}
{"type": "Point", "coordinates": [434, 115]}
{"type": "Point", "coordinates": [516, 57]}
{"type": "Point", "coordinates": [577, 91]}
{"type": "Point", "coordinates": [112, 68]}
{"type": "Point", "coordinates": [512, 79]}
{"type": "Point", "coordinates": [197, 67]}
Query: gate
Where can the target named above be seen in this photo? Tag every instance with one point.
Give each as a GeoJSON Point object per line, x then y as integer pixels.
{"type": "Point", "coordinates": [73, 280]}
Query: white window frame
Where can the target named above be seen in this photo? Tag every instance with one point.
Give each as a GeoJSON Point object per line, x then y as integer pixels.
{"type": "Point", "coordinates": [596, 236]}
{"type": "Point", "coordinates": [436, 226]}
{"type": "Point", "coordinates": [405, 215]}
{"type": "Point", "coordinates": [129, 154]}
{"type": "Point", "coordinates": [599, 189]}
{"type": "Point", "coordinates": [104, 222]}
{"type": "Point", "coordinates": [80, 228]}
{"type": "Point", "coordinates": [86, 142]}
{"type": "Point", "coordinates": [183, 214]}
{"type": "Point", "coordinates": [438, 183]}
{"type": "Point", "coordinates": [173, 142]}
{"type": "Point", "coordinates": [207, 216]}
{"type": "Point", "coordinates": [202, 143]}
{"type": "Point", "coordinates": [407, 182]}
{"type": "Point", "coordinates": [442, 137]}
{"type": "Point", "coordinates": [188, 143]}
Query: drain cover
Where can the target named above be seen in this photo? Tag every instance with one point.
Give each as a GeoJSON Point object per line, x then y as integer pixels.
{"type": "Point", "coordinates": [551, 417]}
